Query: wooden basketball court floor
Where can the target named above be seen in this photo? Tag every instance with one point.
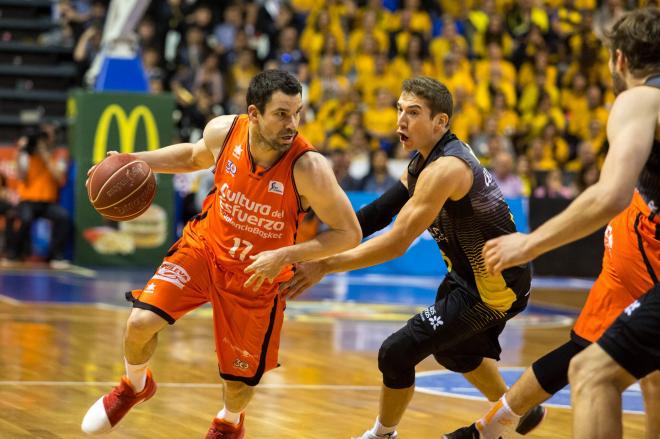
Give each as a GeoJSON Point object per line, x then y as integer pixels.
{"type": "Point", "coordinates": [60, 349]}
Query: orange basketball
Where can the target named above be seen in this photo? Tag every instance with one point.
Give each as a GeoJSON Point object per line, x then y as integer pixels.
{"type": "Point", "coordinates": [121, 187]}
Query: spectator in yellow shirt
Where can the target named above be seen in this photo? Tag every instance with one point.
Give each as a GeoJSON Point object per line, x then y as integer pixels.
{"type": "Point", "coordinates": [533, 123]}
{"type": "Point", "coordinates": [466, 120]}
{"type": "Point", "coordinates": [327, 84]}
{"type": "Point", "coordinates": [444, 45]}
{"type": "Point", "coordinates": [382, 77]}
{"type": "Point", "coordinates": [319, 26]}
{"type": "Point", "coordinates": [495, 32]}
{"type": "Point", "coordinates": [381, 119]}
{"type": "Point", "coordinates": [574, 103]}
{"type": "Point", "coordinates": [507, 119]}
{"type": "Point", "coordinates": [368, 27]}
{"type": "Point", "coordinates": [452, 77]}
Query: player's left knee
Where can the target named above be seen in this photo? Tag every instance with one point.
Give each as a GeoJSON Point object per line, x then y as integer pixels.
{"type": "Point", "coordinates": [594, 368]}
{"type": "Point", "coordinates": [396, 361]}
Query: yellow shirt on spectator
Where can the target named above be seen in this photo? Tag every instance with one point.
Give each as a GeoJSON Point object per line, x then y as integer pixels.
{"type": "Point", "coordinates": [507, 122]}
{"type": "Point", "coordinates": [482, 70]}
{"type": "Point", "coordinates": [531, 94]}
{"type": "Point", "coordinates": [323, 89]}
{"type": "Point", "coordinates": [534, 122]}
{"type": "Point", "coordinates": [400, 67]}
{"type": "Point", "coordinates": [381, 122]}
{"type": "Point", "coordinates": [332, 113]}
{"type": "Point", "coordinates": [526, 75]}
{"type": "Point", "coordinates": [466, 121]}
{"type": "Point", "coordinates": [482, 96]}
{"type": "Point", "coordinates": [356, 37]}
{"type": "Point", "coordinates": [441, 46]}
{"type": "Point", "coordinates": [314, 132]}
{"type": "Point", "coordinates": [458, 80]}
{"type": "Point", "coordinates": [368, 84]}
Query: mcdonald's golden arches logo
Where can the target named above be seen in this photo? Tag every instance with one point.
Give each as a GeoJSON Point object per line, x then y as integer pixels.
{"type": "Point", "coordinates": [127, 127]}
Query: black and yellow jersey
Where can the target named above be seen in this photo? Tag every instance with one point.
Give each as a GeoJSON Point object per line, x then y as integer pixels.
{"type": "Point", "coordinates": [648, 184]}
{"type": "Point", "coordinates": [462, 228]}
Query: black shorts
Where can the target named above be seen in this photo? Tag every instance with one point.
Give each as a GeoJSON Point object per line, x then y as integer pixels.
{"type": "Point", "coordinates": [633, 340]}
{"type": "Point", "coordinates": [460, 326]}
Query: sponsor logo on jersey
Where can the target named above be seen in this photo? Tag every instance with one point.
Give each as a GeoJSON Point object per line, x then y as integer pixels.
{"type": "Point", "coordinates": [238, 150]}
{"type": "Point", "coordinates": [276, 187]}
{"type": "Point", "coordinates": [149, 288]}
{"type": "Point", "coordinates": [172, 273]}
{"type": "Point", "coordinates": [240, 364]}
{"type": "Point", "coordinates": [631, 308]}
{"type": "Point", "coordinates": [230, 168]}
{"type": "Point", "coordinates": [488, 178]}
{"type": "Point", "coordinates": [247, 215]}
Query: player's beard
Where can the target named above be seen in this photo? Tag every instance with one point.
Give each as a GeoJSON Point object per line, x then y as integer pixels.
{"type": "Point", "coordinates": [273, 142]}
{"type": "Point", "coordinates": [618, 83]}
{"type": "Point", "coordinates": [276, 144]}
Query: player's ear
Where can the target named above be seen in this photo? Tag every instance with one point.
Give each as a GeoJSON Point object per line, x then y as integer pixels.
{"type": "Point", "coordinates": [441, 120]}
{"type": "Point", "coordinates": [253, 113]}
{"type": "Point", "coordinates": [620, 60]}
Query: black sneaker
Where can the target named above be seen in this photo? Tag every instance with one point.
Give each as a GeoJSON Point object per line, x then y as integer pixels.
{"type": "Point", "coordinates": [530, 420]}
{"type": "Point", "coordinates": [470, 432]}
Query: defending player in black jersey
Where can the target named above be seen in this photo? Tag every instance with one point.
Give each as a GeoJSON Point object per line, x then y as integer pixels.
{"type": "Point", "coordinates": [446, 191]}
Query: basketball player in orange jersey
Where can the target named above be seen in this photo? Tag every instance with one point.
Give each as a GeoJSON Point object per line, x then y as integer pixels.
{"type": "Point", "coordinates": [446, 191]}
{"type": "Point", "coordinates": [628, 196]}
{"type": "Point", "coordinates": [236, 252]}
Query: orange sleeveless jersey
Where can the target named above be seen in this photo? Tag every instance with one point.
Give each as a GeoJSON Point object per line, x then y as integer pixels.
{"type": "Point", "coordinates": [251, 209]}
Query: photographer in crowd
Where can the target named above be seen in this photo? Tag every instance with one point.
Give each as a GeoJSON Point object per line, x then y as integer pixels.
{"type": "Point", "coordinates": [40, 175]}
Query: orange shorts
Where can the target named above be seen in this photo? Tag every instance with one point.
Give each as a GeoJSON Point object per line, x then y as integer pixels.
{"type": "Point", "coordinates": [247, 324]}
{"type": "Point", "coordinates": [631, 265]}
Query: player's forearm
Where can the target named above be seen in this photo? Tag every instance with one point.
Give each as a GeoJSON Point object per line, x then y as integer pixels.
{"type": "Point", "coordinates": [380, 249]}
{"type": "Point", "coordinates": [172, 159]}
{"type": "Point", "coordinates": [593, 209]}
{"type": "Point", "coordinates": [323, 245]}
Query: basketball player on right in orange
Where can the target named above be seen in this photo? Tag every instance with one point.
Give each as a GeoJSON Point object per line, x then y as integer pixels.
{"type": "Point", "coordinates": [628, 196]}
{"type": "Point", "coordinates": [237, 251]}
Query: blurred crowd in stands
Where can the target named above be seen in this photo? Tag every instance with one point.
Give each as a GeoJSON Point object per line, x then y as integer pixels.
{"type": "Point", "coordinates": [530, 78]}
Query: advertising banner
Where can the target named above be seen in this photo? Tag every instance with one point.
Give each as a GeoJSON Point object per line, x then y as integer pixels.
{"type": "Point", "coordinates": [124, 122]}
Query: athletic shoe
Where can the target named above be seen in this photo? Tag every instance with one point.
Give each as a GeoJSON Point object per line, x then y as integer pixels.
{"type": "Point", "coordinates": [108, 410]}
{"type": "Point", "coordinates": [221, 429]}
{"type": "Point", "coordinates": [369, 435]}
{"type": "Point", "coordinates": [469, 432]}
{"type": "Point", "coordinates": [530, 420]}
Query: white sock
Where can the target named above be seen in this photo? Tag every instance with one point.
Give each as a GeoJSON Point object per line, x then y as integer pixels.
{"type": "Point", "coordinates": [499, 418]}
{"type": "Point", "coordinates": [380, 430]}
{"type": "Point", "coordinates": [137, 375]}
{"type": "Point", "coordinates": [231, 417]}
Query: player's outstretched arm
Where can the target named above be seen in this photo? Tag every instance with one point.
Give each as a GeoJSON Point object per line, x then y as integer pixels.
{"type": "Point", "coordinates": [189, 157]}
{"type": "Point", "coordinates": [318, 189]}
{"type": "Point", "coordinates": [630, 131]}
{"type": "Point", "coordinates": [446, 177]}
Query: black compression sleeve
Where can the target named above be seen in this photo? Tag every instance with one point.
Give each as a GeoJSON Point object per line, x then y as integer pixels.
{"type": "Point", "coordinates": [379, 213]}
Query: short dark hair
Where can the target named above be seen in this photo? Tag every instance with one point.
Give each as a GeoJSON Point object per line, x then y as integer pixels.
{"type": "Point", "coordinates": [637, 35]}
{"type": "Point", "coordinates": [264, 84]}
{"type": "Point", "coordinates": [434, 92]}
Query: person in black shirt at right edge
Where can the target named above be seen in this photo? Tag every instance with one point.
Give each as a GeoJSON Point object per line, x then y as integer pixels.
{"type": "Point", "coordinates": [616, 339]}
{"type": "Point", "coordinates": [446, 191]}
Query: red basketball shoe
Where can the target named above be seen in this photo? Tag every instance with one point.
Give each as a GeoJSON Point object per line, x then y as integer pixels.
{"type": "Point", "coordinates": [221, 429]}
